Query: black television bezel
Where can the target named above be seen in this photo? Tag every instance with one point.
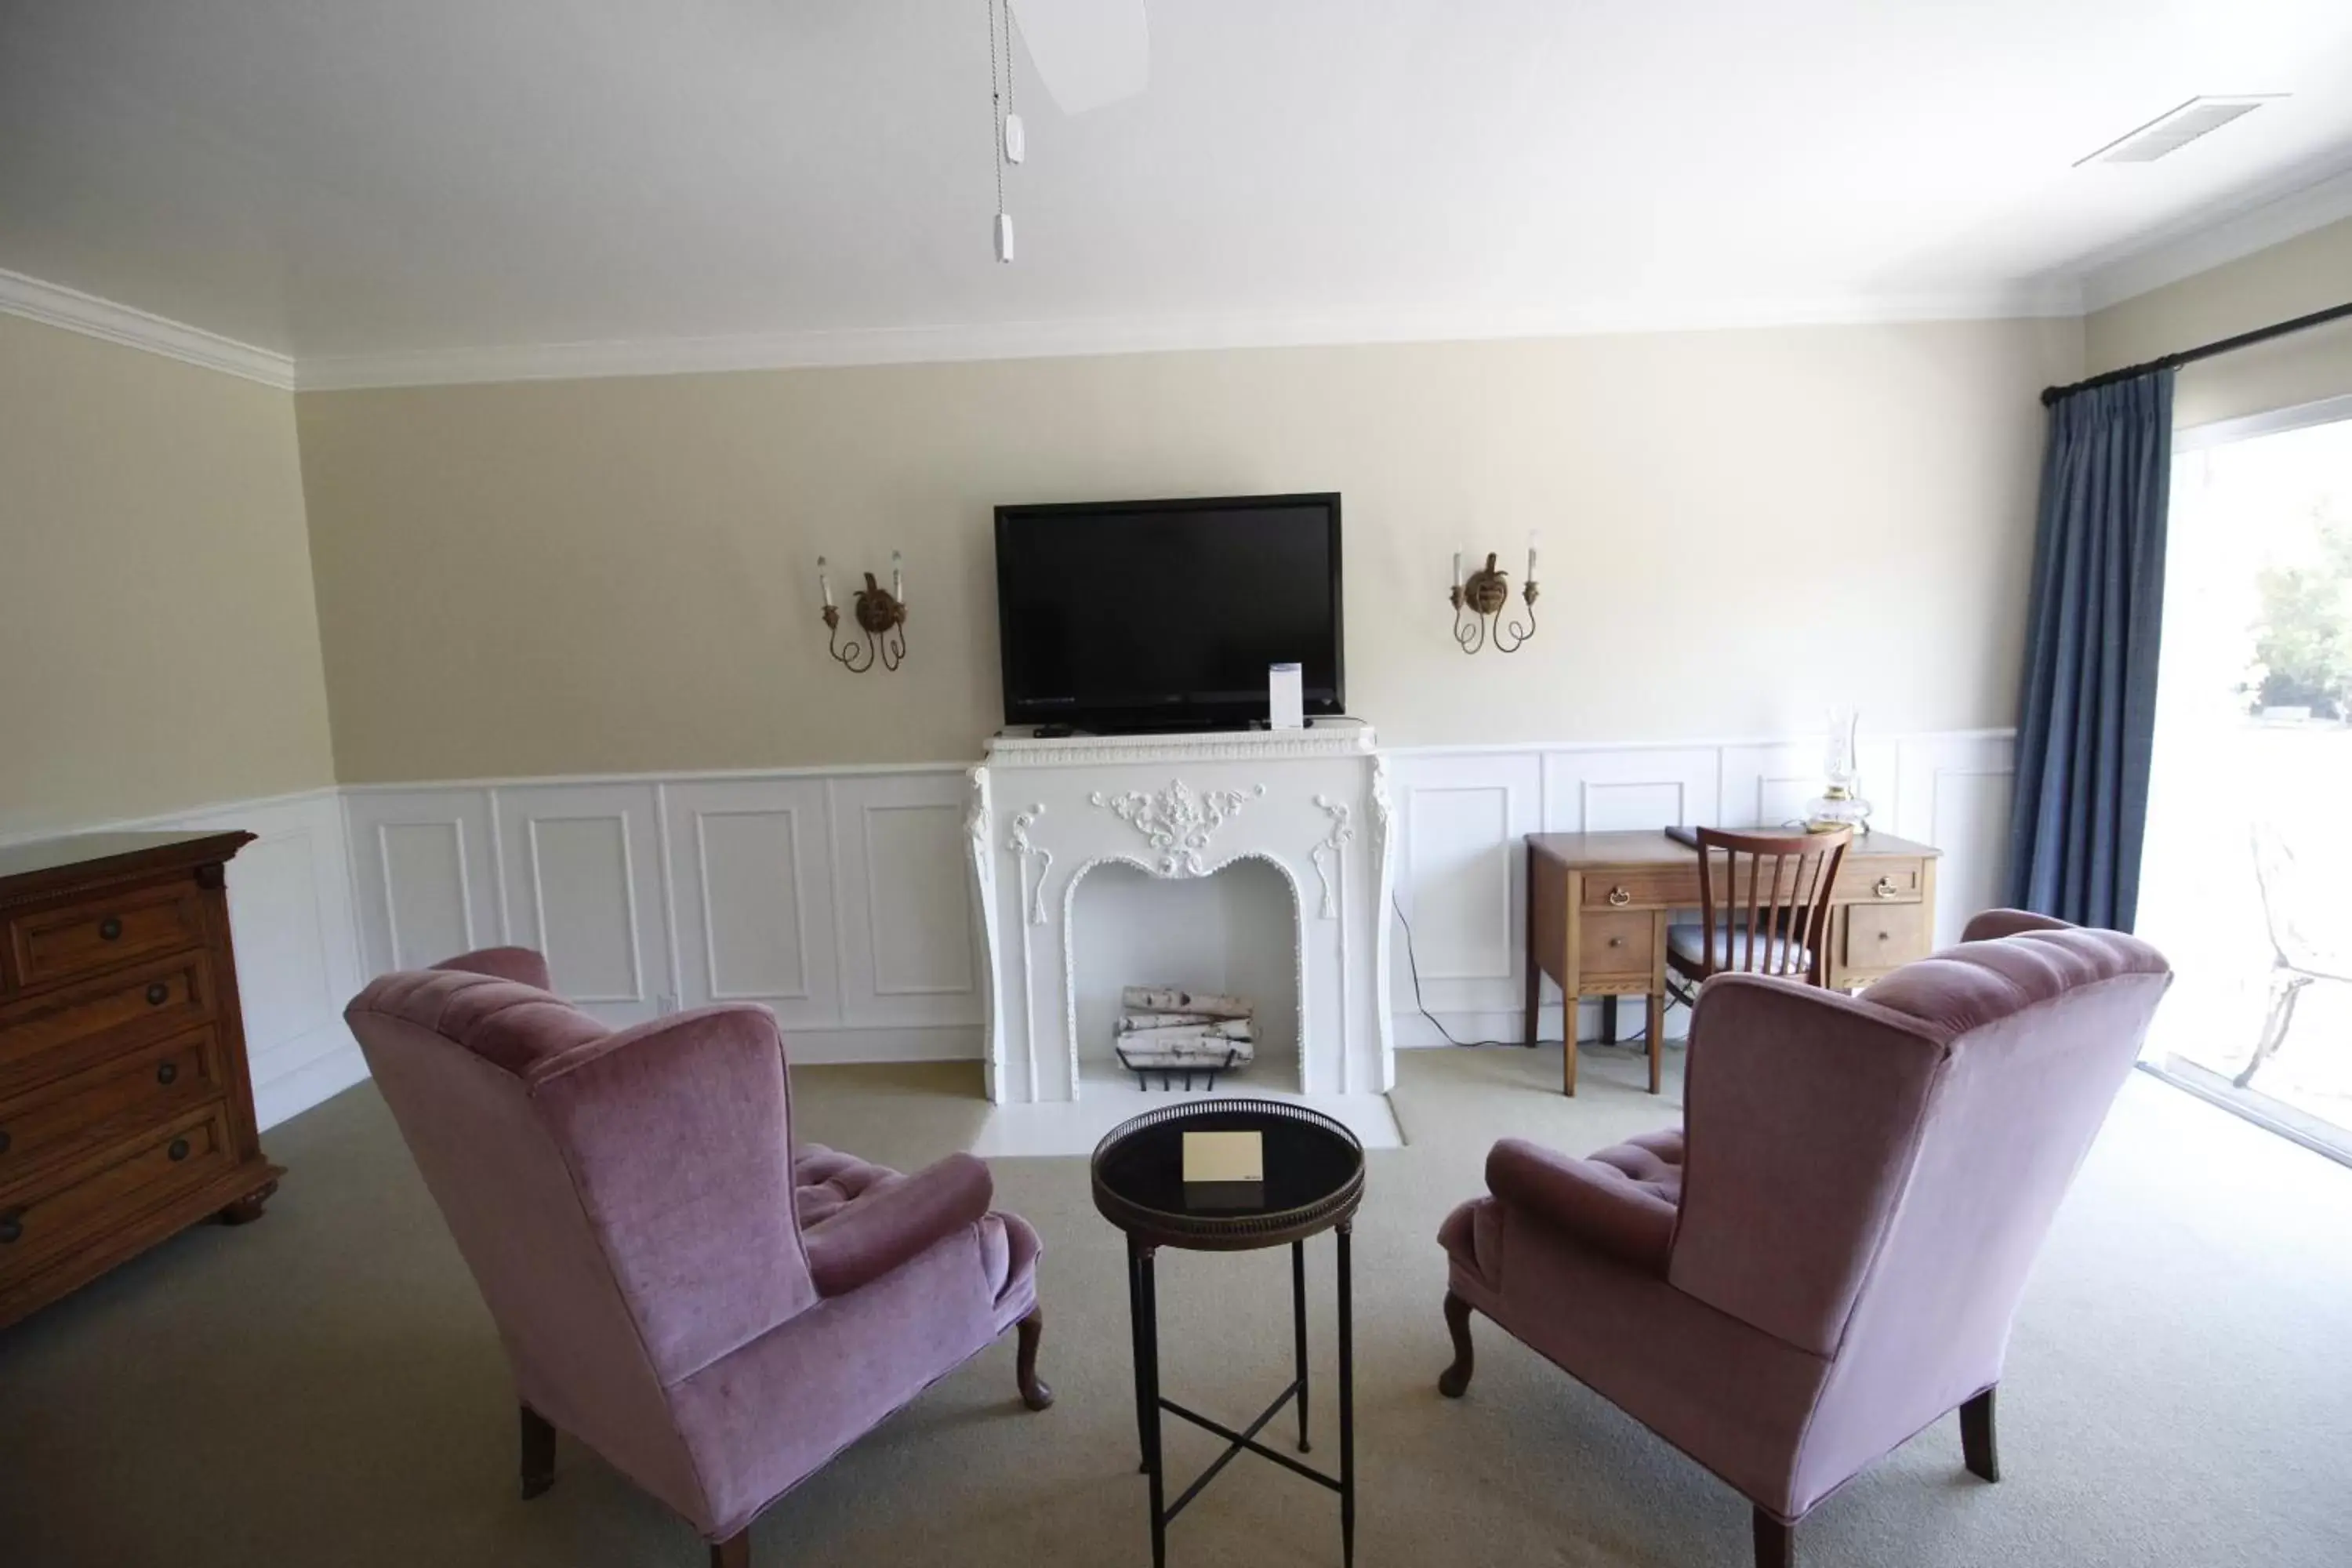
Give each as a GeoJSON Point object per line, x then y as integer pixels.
{"type": "Point", "coordinates": [1176, 715]}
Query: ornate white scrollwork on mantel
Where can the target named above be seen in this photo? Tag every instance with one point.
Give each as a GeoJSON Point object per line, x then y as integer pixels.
{"type": "Point", "coordinates": [1343, 833]}
{"type": "Point", "coordinates": [1034, 891]}
{"type": "Point", "coordinates": [1178, 821]}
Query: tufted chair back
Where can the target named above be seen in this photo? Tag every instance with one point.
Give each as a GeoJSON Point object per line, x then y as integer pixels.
{"type": "Point", "coordinates": [1870, 1178]}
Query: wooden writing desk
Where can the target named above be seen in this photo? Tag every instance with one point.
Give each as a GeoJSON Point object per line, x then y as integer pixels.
{"type": "Point", "coordinates": [1598, 905]}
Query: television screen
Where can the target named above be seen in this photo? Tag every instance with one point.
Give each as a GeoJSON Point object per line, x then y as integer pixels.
{"type": "Point", "coordinates": [1164, 614]}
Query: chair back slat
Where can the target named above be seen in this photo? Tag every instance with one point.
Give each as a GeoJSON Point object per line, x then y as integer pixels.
{"type": "Point", "coordinates": [1787, 914]}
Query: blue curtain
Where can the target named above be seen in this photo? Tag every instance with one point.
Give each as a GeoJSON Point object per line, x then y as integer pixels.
{"type": "Point", "coordinates": [2086, 717]}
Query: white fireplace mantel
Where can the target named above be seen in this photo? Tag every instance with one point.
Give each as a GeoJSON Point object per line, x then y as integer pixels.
{"type": "Point", "coordinates": [1313, 802]}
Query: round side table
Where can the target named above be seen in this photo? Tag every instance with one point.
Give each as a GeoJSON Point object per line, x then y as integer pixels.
{"type": "Point", "coordinates": [1314, 1180]}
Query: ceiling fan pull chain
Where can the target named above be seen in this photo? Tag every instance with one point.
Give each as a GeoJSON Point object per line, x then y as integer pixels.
{"type": "Point", "coordinates": [1001, 122]}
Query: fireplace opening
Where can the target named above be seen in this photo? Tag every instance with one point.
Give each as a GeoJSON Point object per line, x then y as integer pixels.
{"type": "Point", "coordinates": [1233, 933]}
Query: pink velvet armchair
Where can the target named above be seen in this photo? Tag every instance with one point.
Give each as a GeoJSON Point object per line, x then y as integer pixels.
{"type": "Point", "coordinates": [1828, 1259]}
{"type": "Point", "coordinates": [713, 1310]}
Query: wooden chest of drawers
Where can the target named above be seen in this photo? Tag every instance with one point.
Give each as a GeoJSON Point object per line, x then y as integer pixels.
{"type": "Point", "coordinates": [126, 1112]}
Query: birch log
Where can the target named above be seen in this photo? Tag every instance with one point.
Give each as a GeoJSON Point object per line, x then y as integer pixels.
{"type": "Point", "coordinates": [1166, 999]}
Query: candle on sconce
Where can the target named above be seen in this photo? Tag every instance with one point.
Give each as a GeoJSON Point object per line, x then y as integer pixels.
{"type": "Point", "coordinates": [898, 579]}
{"type": "Point", "coordinates": [1531, 555]}
{"type": "Point", "coordinates": [824, 583]}
{"type": "Point", "coordinates": [1457, 571]}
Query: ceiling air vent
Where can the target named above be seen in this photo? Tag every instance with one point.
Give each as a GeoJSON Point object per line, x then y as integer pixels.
{"type": "Point", "coordinates": [2176, 128]}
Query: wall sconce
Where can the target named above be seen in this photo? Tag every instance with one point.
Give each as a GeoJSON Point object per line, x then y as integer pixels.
{"type": "Point", "coordinates": [1479, 602]}
{"type": "Point", "coordinates": [881, 615]}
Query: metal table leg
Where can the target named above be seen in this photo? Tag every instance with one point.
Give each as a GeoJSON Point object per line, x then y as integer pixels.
{"type": "Point", "coordinates": [1298, 1332]}
{"type": "Point", "coordinates": [1347, 1401]}
{"type": "Point", "coordinates": [1148, 1360]}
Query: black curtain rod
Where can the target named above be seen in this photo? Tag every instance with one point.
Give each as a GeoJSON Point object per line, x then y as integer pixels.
{"type": "Point", "coordinates": [2190, 356]}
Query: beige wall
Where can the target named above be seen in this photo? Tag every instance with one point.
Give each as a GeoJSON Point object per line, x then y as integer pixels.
{"type": "Point", "coordinates": [2308, 273]}
{"type": "Point", "coordinates": [1738, 528]}
{"type": "Point", "coordinates": [159, 641]}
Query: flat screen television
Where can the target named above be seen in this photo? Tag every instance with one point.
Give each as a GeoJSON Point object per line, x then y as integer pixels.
{"type": "Point", "coordinates": [1164, 614]}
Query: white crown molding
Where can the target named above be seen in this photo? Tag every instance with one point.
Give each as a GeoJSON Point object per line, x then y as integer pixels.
{"type": "Point", "coordinates": [2171, 258]}
{"type": "Point", "coordinates": [1067, 339]}
{"type": "Point", "coordinates": [86, 313]}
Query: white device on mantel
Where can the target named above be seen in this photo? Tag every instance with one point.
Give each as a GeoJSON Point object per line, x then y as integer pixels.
{"type": "Point", "coordinates": [1286, 701]}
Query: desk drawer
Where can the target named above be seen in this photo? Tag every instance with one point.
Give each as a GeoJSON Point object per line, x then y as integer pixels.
{"type": "Point", "coordinates": [92, 935]}
{"type": "Point", "coordinates": [49, 1036]}
{"type": "Point", "coordinates": [1879, 881]}
{"type": "Point", "coordinates": [1642, 887]}
{"type": "Point", "coordinates": [139, 1088]}
{"type": "Point", "coordinates": [52, 1212]}
{"type": "Point", "coordinates": [1616, 945]}
{"type": "Point", "coordinates": [1878, 937]}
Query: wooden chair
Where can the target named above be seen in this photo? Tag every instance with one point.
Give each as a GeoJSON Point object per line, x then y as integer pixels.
{"type": "Point", "coordinates": [1765, 898]}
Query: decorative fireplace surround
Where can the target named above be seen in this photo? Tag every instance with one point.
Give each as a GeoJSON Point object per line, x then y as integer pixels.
{"type": "Point", "coordinates": [1312, 802]}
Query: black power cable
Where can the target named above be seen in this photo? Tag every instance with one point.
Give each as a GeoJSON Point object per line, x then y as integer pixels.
{"type": "Point", "coordinates": [1567, 1013]}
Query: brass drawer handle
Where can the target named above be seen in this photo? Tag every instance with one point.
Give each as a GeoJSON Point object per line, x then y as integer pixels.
{"type": "Point", "coordinates": [109, 929]}
{"type": "Point", "coordinates": [168, 1073]}
{"type": "Point", "coordinates": [1619, 898]}
{"type": "Point", "coordinates": [178, 1151]}
{"type": "Point", "coordinates": [1884, 888]}
{"type": "Point", "coordinates": [12, 1225]}
{"type": "Point", "coordinates": [158, 993]}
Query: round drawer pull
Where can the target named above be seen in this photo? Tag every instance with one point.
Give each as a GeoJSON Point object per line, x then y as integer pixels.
{"type": "Point", "coordinates": [158, 993]}
{"type": "Point", "coordinates": [1616, 941]}
{"type": "Point", "coordinates": [1619, 898]}
{"type": "Point", "coordinates": [168, 1073]}
{"type": "Point", "coordinates": [12, 1225]}
{"type": "Point", "coordinates": [179, 1149]}
{"type": "Point", "coordinates": [109, 929]}
{"type": "Point", "coordinates": [1881, 936]}
{"type": "Point", "coordinates": [1884, 888]}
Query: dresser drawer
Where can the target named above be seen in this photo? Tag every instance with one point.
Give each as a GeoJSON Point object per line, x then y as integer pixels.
{"type": "Point", "coordinates": [56, 1210]}
{"type": "Point", "coordinates": [1616, 945]}
{"type": "Point", "coordinates": [55, 1033]}
{"type": "Point", "coordinates": [114, 1098]}
{"type": "Point", "coordinates": [92, 935]}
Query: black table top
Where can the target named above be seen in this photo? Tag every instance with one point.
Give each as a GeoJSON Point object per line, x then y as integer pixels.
{"type": "Point", "coordinates": [1314, 1175]}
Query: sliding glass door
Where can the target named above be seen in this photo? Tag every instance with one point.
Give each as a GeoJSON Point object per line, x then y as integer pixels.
{"type": "Point", "coordinates": [2247, 879]}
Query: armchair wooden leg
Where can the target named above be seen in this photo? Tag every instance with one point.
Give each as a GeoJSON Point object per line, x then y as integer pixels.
{"type": "Point", "coordinates": [1975, 1437]}
{"type": "Point", "coordinates": [735, 1551]}
{"type": "Point", "coordinates": [538, 1453]}
{"type": "Point", "coordinates": [1034, 1391]}
{"type": "Point", "coordinates": [1455, 1379]}
{"type": "Point", "coordinates": [1657, 1025]}
{"type": "Point", "coordinates": [1776, 1543]}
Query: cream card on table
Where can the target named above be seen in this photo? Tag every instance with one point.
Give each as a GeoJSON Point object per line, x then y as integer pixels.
{"type": "Point", "coordinates": [1225, 1157]}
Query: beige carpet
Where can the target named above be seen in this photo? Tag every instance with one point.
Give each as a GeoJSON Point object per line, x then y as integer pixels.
{"type": "Point", "coordinates": [324, 1387]}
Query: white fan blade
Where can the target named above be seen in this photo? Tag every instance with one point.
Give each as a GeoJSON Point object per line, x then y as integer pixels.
{"type": "Point", "coordinates": [1089, 52]}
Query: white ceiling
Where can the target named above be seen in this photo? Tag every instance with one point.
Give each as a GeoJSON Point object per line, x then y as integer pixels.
{"type": "Point", "coordinates": [364, 184]}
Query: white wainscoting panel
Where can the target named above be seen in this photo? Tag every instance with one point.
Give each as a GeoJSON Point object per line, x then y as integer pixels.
{"type": "Point", "coordinates": [581, 880]}
{"type": "Point", "coordinates": [751, 870]}
{"type": "Point", "coordinates": [1461, 878]}
{"type": "Point", "coordinates": [909, 954]}
{"type": "Point", "coordinates": [426, 878]}
{"type": "Point", "coordinates": [1953, 791]}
